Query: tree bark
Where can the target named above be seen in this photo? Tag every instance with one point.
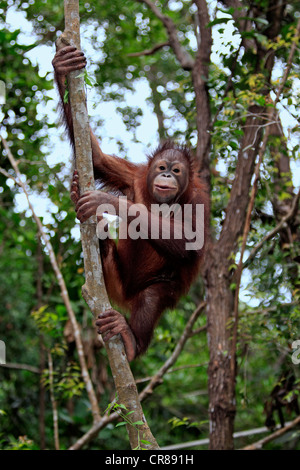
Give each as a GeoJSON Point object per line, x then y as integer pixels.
{"type": "Point", "coordinates": [53, 402]}
{"type": "Point", "coordinates": [200, 78]}
{"type": "Point", "coordinates": [156, 99]}
{"type": "Point", "coordinates": [42, 363]}
{"type": "Point", "coordinates": [94, 290]}
{"type": "Point", "coordinates": [220, 295]}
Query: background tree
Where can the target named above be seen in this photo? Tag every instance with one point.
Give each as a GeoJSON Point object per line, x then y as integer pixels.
{"type": "Point", "coordinates": [211, 71]}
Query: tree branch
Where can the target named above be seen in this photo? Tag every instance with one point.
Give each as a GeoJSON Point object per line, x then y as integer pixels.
{"type": "Point", "coordinates": [154, 49]}
{"type": "Point", "coordinates": [267, 310]}
{"type": "Point", "coordinates": [261, 153]}
{"type": "Point", "coordinates": [202, 442]}
{"type": "Point", "coordinates": [200, 77]}
{"type": "Point", "coordinates": [94, 291]}
{"type": "Point", "coordinates": [53, 402]}
{"type": "Point", "coordinates": [155, 380]}
{"type": "Point", "coordinates": [185, 59]}
{"type": "Point", "coordinates": [61, 283]}
{"type": "Point", "coordinates": [274, 231]}
{"type": "Point", "coordinates": [259, 444]}
{"type": "Point", "coordinates": [198, 330]}
{"type": "Point", "coordinates": [29, 368]}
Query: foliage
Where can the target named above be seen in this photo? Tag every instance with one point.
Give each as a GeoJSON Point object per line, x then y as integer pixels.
{"type": "Point", "coordinates": [124, 414]}
{"type": "Point", "coordinates": [114, 32]}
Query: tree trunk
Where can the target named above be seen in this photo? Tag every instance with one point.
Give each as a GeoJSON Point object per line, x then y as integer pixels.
{"type": "Point", "coordinates": [42, 363]}
{"type": "Point", "coordinates": [220, 296]}
{"type": "Point", "coordinates": [156, 99]}
{"type": "Point", "coordinates": [94, 291]}
{"type": "Point", "coordinates": [220, 384]}
{"type": "Point", "coordinates": [200, 78]}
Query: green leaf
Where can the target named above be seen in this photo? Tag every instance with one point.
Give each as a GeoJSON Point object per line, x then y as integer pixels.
{"type": "Point", "coordinates": [219, 21]}
{"type": "Point", "coordinates": [66, 97]}
{"type": "Point", "coordinates": [120, 405]}
{"type": "Point", "coordinates": [261, 100]}
{"type": "Point", "coordinates": [232, 266]}
{"type": "Point", "coordinates": [219, 123]}
{"type": "Point", "coordinates": [230, 11]}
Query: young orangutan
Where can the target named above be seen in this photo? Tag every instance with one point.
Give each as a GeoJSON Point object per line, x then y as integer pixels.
{"type": "Point", "coordinates": [148, 274]}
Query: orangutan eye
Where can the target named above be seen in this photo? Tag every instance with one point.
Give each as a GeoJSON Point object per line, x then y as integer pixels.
{"type": "Point", "coordinates": [176, 170]}
{"type": "Point", "coordinates": [162, 168]}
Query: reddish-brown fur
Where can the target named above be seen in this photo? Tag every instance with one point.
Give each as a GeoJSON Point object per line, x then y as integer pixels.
{"type": "Point", "coordinates": [144, 276]}
{"type": "Point", "coordinates": [138, 271]}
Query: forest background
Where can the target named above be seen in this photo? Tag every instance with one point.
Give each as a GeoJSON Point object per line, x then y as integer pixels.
{"type": "Point", "coordinates": [223, 77]}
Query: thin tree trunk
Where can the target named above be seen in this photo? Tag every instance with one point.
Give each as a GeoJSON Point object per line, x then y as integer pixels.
{"type": "Point", "coordinates": [94, 290]}
{"type": "Point", "coordinates": [220, 296]}
{"type": "Point", "coordinates": [42, 364]}
{"type": "Point", "coordinates": [62, 286]}
{"type": "Point", "coordinates": [53, 402]}
{"type": "Point", "coordinates": [156, 99]}
{"type": "Point", "coordinates": [200, 77]}
{"type": "Point", "coordinates": [220, 387]}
